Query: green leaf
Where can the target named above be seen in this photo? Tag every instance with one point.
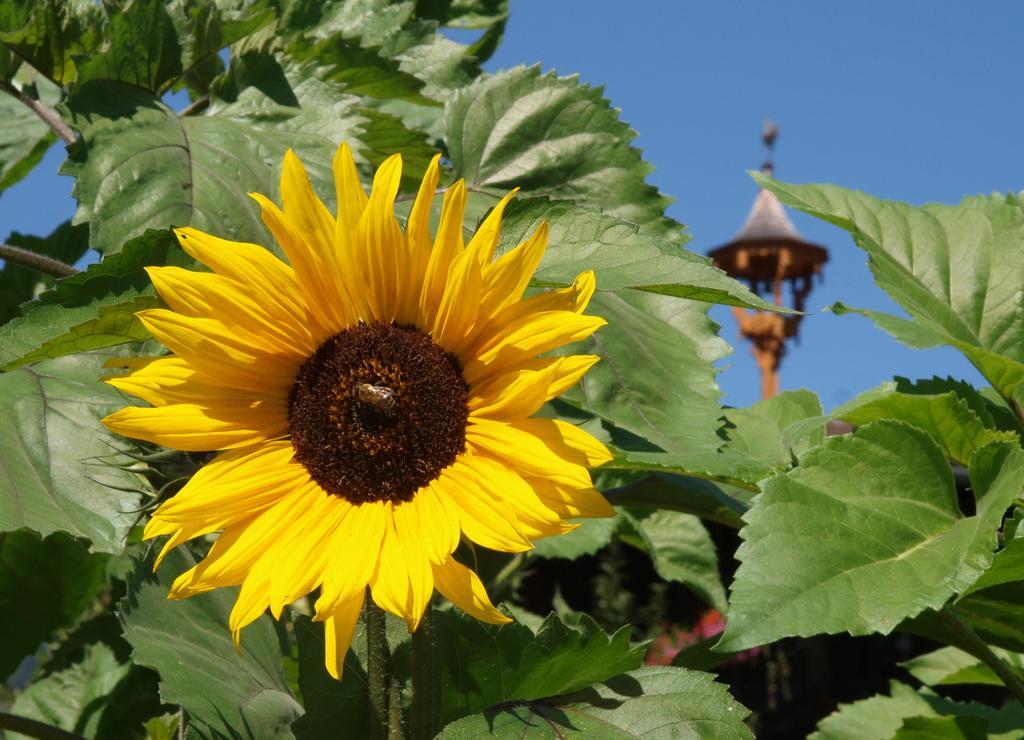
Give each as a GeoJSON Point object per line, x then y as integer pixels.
{"type": "Point", "coordinates": [950, 666]}
{"type": "Point", "coordinates": [19, 284]}
{"type": "Point", "coordinates": [478, 665]}
{"type": "Point", "coordinates": [591, 536]}
{"type": "Point", "coordinates": [939, 728]}
{"type": "Point", "coordinates": [140, 166]}
{"type": "Point", "coordinates": [24, 136]}
{"type": "Point", "coordinates": [681, 549]}
{"type": "Point", "coordinates": [656, 377]}
{"type": "Point", "coordinates": [991, 408]}
{"type": "Point", "coordinates": [909, 332]}
{"type": "Point", "coordinates": [777, 430]}
{"type": "Point", "coordinates": [952, 424]}
{"type": "Point", "coordinates": [60, 470]}
{"type": "Point", "coordinates": [956, 270]}
{"type": "Point", "coordinates": [75, 699]}
{"type": "Point", "coordinates": [864, 534]}
{"type": "Point", "coordinates": [881, 717]}
{"type": "Point", "coordinates": [226, 693]}
{"type": "Point", "coordinates": [51, 34]}
{"type": "Point", "coordinates": [463, 13]}
{"type": "Point", "coordinates": [551, 135]}
{"type": "Point", "coordinates": [393, 30]}
{"type": "Point", "coordinates": [715, 502]}
{"type": "Point", "coordinates": [151, 43]}
{"type": "Point", "coordinates": [45, 584]}
{"type": "Point", "coordinates": [649, 702]}
{"type": "Point", "coordinates": [620, 255]}
{"type": "Point", "coordinates": [329, 703]}
{"type": "Point", "coordinates": [362, 71]}
{"type": "Point", "coordinates": [92, 309]}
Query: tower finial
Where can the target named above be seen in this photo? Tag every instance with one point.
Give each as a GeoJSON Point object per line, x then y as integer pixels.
{"type": "Point", "coordinates": [769, 133]}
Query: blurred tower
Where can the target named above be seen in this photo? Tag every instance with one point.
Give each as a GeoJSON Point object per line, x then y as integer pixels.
{"type": "Point", "coordinates": [768, 253]}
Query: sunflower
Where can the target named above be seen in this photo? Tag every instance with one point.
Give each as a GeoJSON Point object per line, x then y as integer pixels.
{"type": "Point", "coordinates": [371, 403]}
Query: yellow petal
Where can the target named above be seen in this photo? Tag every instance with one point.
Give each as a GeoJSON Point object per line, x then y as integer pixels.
{"type": "Point", "coordinates": [162, 381]}
{"type": "Point", "coordinates": [567, 441]}
{"type": "Point", "coordinates": [315, 270]}
{"type": "Point", "coordinates": [231, 564]}
{"type": "Point", "coordinates": [485, 240]}
{"type": "Point", "coordinates": [191, 582]}
{"type": "Point", "coordinates": [206, 295]}
{"type": "Point", "coordinates": [186, 426]}
{"type": "Point", "coordinates": [428, 521]}
{"type": "Point", "coordinates": [524, 340]}
{"type": "Point", "coordinates": [520, 392]}
{"type": "Point", "coordinates": [525, 451]}
{"type": "Point", "coordinates": [403, 582]}
{"type": "Point", "coordinates": [352, 554]}
{"type": "Point", "coordinates": [417, 229]}
{"type": "Point", "coordinates": [457, 311]}
{"type": "Point", "coordinates": [339, 627]}
{"type": "Point", "coordinates": [571, 503]}
{"type": "Point", "coordinates": [506, 279]}
{"type": "Point", "coordinates": [270, 282]}
{"type": "Point", "coordinates": [301, 555]}
{"type": "Point", "coordinates": [462, 587]}
{"type": "Point", "coordinates": [380, 246]}
{"type": "Point", "coordinates": [486, 520]}
{"type": "Point", "coordinates": [503, 482]}
{"type": "Point", "coordinates": [233, 486]}
{"type": "Point", "coordinates": [210, 347]}
{"type": "Point", "coordinates": [448, 243]}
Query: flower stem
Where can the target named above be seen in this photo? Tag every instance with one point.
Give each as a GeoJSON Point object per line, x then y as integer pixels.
{"type": "Point", "coordinates": [395, 711]}
{"type": "Point", "coordinates": [423, 680]}
{"type": "Point", "coordinates": [39, 262]}
{"type": "Point", "coordinates": [34, 728]}
{"type": "Point", "coordinates": [378, 669]}
{"type": "Point", "coordinates": [972, 643]}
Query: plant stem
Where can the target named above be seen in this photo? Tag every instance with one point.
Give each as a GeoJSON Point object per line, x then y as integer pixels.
{"type": "Point", "coordinates": [972, 643]}
{"type": "Point", "coordinates": [423, 680]}
{"type": "Point", "coordinates": [39, 262]}
{"type": "Point", "coordinates": [34, 728]}
{"type": "Point", "coordinates": [65, 132]}
{"type": "Point", "coordinates": [395, 711]}
{"type": "Point", "coordinates": [378, 668]}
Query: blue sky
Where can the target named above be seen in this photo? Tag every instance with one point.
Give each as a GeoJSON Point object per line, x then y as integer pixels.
{"type": "Point", "coordinates": [914, 101]}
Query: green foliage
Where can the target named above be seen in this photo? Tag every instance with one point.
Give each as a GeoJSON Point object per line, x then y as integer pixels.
{"type": "Point", "coordinates": [681, 549]}
{"type": "Point", "coordinates": [950, 666]}
{"type": "Point", "coordinates": [882, 717]}
{"type": "Point", "coordinates": [914, 253]}
{"type": "Point", "coordinates": [865, 533]}
{"type": "Point", "coordinates": [777, 430]}
{"type": "Point", "coordinates": [670, 399]}
{"type": "Point", "coordinates": [551, 135]}
{"type": "Point", "coordinates": [670, 702]}
{"type": "Point", "coordinates": [226, 693]}
{"type": "Point", "coordinates": [77, 698]}
{"type": "Point", "coordinates": [61, 470]}
{"type": "Point", "coordinates": [19, 284]}
{"type": "Point", "coordinates": [952, 424]}
{"type": "Point", "coordinates": [479, 665]}
{"type": "Point", "coordinates": [93, 309]}
{"type": "Point", "coordinates": [45, 584]}
{"type": "Point", "coordinates": [620, 255]}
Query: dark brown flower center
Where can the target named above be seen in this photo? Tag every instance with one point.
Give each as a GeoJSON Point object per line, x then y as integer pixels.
{"type": "Point", "coordinates": [377, 412]}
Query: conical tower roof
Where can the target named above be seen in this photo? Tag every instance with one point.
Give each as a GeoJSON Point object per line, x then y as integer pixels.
{"type": "Point", "coordinates": [767, 220]}
{"type": "Point", "coordinates": [754, 253]}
